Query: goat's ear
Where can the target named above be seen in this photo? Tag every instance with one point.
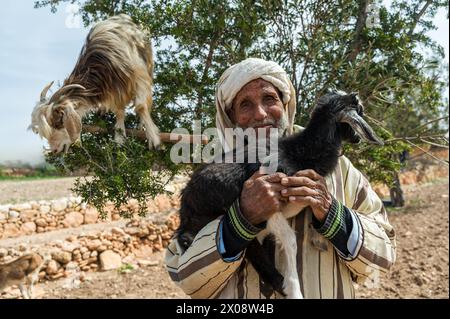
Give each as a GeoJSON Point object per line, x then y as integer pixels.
{"type": "Point", "coordinates": [57, 117]}
{"type": "Point", "coordinates": [72, 123]}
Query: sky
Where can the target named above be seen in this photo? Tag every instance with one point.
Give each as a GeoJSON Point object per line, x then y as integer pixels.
{"type": "Point", "coordinates": [37, 47]}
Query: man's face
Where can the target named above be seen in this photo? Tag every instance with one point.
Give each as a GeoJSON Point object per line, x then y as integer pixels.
{"type": "Point", "coordinates": [258, 105]}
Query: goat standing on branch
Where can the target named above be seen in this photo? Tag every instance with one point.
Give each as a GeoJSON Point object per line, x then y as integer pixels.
{"type": "Point", "coordinates": [114, 69]}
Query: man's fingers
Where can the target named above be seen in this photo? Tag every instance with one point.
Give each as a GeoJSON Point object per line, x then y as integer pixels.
{"type": "Point", "coordinates": [309, 173]}
{"type": "Point", "coordinates": [307, 200]}
{"type": "Point", "coordinates": [273, 178]}
{"type": "Point", "coordinates": [291, 181]}
{"type": "Point", "coordinates": [299, 191]}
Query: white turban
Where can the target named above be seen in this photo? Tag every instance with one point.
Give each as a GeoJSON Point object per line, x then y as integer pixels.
{"type": "Point", "coordinates": [238, 75]}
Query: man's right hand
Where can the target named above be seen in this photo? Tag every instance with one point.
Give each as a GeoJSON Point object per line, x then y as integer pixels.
{"type": "Point", "coordinates": [261, 197]}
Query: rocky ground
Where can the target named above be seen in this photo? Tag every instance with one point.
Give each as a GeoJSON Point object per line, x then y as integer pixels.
{"type": "Point", "coordinates": [421, 270]}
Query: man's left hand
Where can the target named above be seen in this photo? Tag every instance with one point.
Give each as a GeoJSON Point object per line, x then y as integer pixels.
{"type": "Point", "coordinates": [308, 188]}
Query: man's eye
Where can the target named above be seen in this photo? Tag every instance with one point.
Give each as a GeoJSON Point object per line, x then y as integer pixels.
{"type": "Point", "coordinates": [269, 99]}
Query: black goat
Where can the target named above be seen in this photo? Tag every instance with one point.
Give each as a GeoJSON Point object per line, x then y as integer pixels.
{"type": "Point", "coordinates": [213, 188]}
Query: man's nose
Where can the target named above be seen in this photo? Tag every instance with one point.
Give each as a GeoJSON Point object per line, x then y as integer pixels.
{"type": "Point", "coordinates": [260, 113]}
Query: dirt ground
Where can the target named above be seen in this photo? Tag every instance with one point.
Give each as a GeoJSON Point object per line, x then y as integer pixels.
{"type": "Point", "coordinates": [421, 270]}
{"type": "Point", "coordinates": [12, 192]}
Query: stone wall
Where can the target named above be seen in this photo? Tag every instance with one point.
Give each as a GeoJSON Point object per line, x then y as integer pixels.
{"type": "Point", "coordinates": [132, 244]}
{"type": "Point", "coordinates": [45, 216]}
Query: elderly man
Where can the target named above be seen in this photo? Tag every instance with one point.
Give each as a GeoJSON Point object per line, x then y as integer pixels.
{"type": "Point", "coordinates": [336, 247]}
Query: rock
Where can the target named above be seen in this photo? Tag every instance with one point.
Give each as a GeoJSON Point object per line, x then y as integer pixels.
{"type": "Point", "coordinates": [13, 214]}
{"type": "Point", "coordinates": [71, 266]}
{"type": "Point", "coordinates": [83, 249]}
{"type": "Point", "coordinates": [71, 239]}
{"type": "Point", "coordinates": [115, 217]}
{"type": "Point", "coordinates": [137, 231]}
{"type": "Point", "coordinates": [150, 263]}
{"type": "Point", "coordinates": [73, 219]}
{"type": "Point", "coordinates": [2, 216]}
{"type": "Point", "coordinates": [57, 276]}
{"type": "Point", "coordinates": [69, 246]}
{"type": "Point", "coordinates": [132, 230]}
{"type": "Point", "coordinates": [21, 207]}
{"type": "Point", "coordinates": [118, 231]}
{"type": "Point", "coordinates": [44, 209]}
{"type": "Point", "coordinates": [22, 247]}
{"type": "Point", "coordinates": [62, 257]}
{"type": "Point", "coordinates": [86, 255]}
{"type": "Point", "coordinates": [28, 215]}
{"type": "Point", "coordinates": [90, 216]}
{"type": "Point", "coordinates": [52, 267]}
{"type": "Point", "coordinates": [94, 244]}
{"type": "Point", "coordinates": [163, 203]}
{"type": "Point", "coordinates": [28, 228]}
{"type": "Point", "coordinates": [3, 252]}
{"type": "Point", "coordinates": [4, 209]}
{"type": "Point", "coordinates": [41, 222]}
{"type": "Point", "coordinates": [59, 204]}
{"type": "Point", "coordinates": [102, 248]}
{"type": "Point", "coordinates": [110, 260]}
{"type": "Point", "coordinates": [170, 188]}
{"type": "Point", "coordinates": [143, 252]}
{"type": "Point", "coordinates": [10, 230]}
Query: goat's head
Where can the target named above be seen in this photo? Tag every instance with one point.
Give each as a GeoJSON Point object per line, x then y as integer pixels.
{"type": "Point", "coordinates": [348, 112]}
{"type": "Point", "coordinates": [56, 120]}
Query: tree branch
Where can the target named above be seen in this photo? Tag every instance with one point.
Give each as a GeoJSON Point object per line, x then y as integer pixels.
{"type": "Point", "coordinates": [418, 17]}
{"type": "Point", "coordinates": [165, 137]}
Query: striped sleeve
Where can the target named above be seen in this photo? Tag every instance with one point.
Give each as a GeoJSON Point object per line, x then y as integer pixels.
{"type": "Point", "coordinates": [200, 271]}
{"type": "Point", "coordinates": [375, 248]}
{"type": "Point", "coordinates": [341, 228]}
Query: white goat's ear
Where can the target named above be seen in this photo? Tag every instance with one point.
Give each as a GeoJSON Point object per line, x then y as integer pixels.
{"type": "Point", "coordinates": [72, 123]}
{"type": "Point", "coordinates": [57, 117]}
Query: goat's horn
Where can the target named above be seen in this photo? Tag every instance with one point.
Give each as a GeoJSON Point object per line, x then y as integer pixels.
{"type": "Point", "coordinates": [45, 90]}
{"type": "Point", "coordinates": [63, 90]}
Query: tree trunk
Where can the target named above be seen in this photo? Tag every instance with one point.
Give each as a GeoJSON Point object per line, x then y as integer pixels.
{"type": "Point", "coordinates": [355, 46]}
{"type": "Point", "coordinates": [397, 199]}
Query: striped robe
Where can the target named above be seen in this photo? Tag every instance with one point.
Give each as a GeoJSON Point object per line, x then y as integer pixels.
{"type": "Point", "coordinates": [202, 273]}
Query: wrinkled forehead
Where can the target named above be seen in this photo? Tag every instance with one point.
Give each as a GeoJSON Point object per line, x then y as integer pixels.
{"type": "Point", "coordinates": [253, 87]}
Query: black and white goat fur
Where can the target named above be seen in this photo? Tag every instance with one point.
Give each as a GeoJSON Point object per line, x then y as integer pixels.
{"type": "Point", "coordinates": [213, 188]}
{"type": "Point", "coordinates": [114, 69]}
